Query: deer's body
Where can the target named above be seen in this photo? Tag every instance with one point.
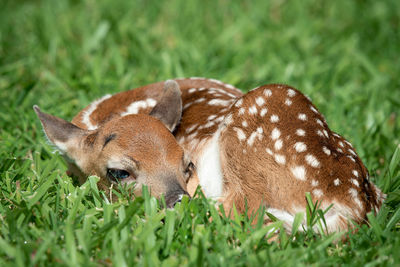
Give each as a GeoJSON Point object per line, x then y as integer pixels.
{"type": "Point", "coordinates": [269, 146]}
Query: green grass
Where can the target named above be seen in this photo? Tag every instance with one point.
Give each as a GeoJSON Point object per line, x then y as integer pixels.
{"type": "Point", "coordinates": [63, 54]}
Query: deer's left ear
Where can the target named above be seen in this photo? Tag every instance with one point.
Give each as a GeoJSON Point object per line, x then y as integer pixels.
{"type": "Point", "coordinates": [169, 109]}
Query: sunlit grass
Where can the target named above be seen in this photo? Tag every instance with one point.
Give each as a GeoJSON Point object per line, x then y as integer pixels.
{"type": "Point", "coordinates": [63, 54]}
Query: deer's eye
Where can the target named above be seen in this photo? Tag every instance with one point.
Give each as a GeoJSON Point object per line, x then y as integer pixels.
{"type": "Point", "coordinates": [189, 170]}
{"type": "Point", "coordinates": [115, 174]}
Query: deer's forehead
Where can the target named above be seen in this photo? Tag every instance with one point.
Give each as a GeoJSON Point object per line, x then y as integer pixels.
{"type": "Point", "coordinates": [140, 136]}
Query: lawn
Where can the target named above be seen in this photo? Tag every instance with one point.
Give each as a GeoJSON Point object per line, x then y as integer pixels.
{"type": "Point", "coordinates": [64, 54]}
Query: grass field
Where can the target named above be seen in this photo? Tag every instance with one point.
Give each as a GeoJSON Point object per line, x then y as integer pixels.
{"type": "Point", "coordinates": [63, 54]}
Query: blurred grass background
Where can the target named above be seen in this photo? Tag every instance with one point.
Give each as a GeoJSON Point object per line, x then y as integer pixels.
{"type": "Point", "coordinates": [63, 54]}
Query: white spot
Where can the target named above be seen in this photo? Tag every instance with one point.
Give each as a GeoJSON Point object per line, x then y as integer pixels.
{"type": "Point", "coordinates": [219, 102]}
{"type": "Point", "coordinates": [291, 93]}
{"type": "Point", "coordinates": [267, 92]}
{"type": "Point", "coordinates": [216, 81]}
{"type": "Point", "coordinates": [347, 142]}
{"type": "Point", "coordinates": [208, 124]}
{"type": "Point", "coordinates": [326, 150]}
{"type": "Point", "coordinates": [136, 106]}
{"type": "Point", "coordinates": [355, 182]}
{"type": "Point", "coordinates": [354, 194]}
{"type": "Point", "coordinates": [211, 117]}
{"type": "Point", "coordinates": [278, 144]}
{"type": "Point", "coordinates": [260, 130]}
{"type": "Point", "coordinates": [300, 147]}
{"type": "Point", "coordinates": [240, 134]}
{"type": "Point", "coordinates": [341, 144]}
{"type": "Point", "coordinates": [191, 136]}
{"type": "Point", "coordinates": [299, 172]}
{"type": "Point", "coordinates": [339, 150]}
{"type": "Point", "coordinates": [312, 161]}
{"type": "Point", "coordinates": [317, 192]}
{"type": "Point", "coordinates": [325, 133]}
{"type": "Point", "coordinates": [245, 124]}
{"type": "Point", "coordinates": [320, 133]}
{"type": "Point", "coordinates": [352, 152]}
{"type": "Point", "coordinates": [313, 109]}
{"type": "Point", "coordinates": [263, 112]}
{"type": "Point", "coordinates": [355, 173]}
{"type": "Point", "coordinates": [241, 111]}
{"type": "Point", "coordinates": [314, 183]}
{"type": "Point", "coordinates": [274, 118]}
{"type": "Point", "coordinates": [260, 101]}
{"type": "Point", "coordinates": [251, 138]}
{"type": "Point", "coordinates": [209, 168]}
{"type": "Point", "coordinates": [300, 132]}
{"type": "Point", "coordinates": [302, 116]}
{"type": "Point", "coordinates": [352, 159]}
{"type": "Point", "coordinates": [336, 182]}
{"type": "Point", "coordinates": [269, 151]}
{"type": "Point", "coordinates": [89, 111]}
{"type": "Point", "coordinates": [192, 90]}
{"type": "Point", "coordinates": [239, 103]}
{"type": "Point", "coordinates": [288, 102]}
{"type": "Point", "coordinates": [253, 109]}
{"type": "Point", "coordinates": [275, 134]}
{"type": "Point", "coordinates": [280, 159]}
{"type": "Point", "coordinates": [320, 122]}
{"type": "Point", "coordinates": [191, 128]}
{"type": "Point", "coordinates": [336, 135]}
{"type": "Point", "coordinates": [228, 120]}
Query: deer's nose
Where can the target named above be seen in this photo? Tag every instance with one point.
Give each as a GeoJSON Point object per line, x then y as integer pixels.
{"type": "Point", "coordinates": [172, 200]}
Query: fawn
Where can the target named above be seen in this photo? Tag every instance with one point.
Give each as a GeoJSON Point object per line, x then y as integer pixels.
{"type": "Point", "coordinates": [267, 147]}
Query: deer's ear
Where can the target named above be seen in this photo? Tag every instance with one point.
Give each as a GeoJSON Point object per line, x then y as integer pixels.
{"type": "Point", "coordinates": [169, 109]}
{"type": "Point", "coordinates": [63, 134]}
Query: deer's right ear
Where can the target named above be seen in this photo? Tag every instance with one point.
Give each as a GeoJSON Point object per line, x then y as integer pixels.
{"type": "Point", "coordinates": [169, 109]}
{"type": "Point", "coordinates": [63, 134]}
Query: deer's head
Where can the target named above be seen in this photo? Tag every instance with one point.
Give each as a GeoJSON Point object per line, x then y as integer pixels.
{"type": "Point", "coordinates": [136, 149]}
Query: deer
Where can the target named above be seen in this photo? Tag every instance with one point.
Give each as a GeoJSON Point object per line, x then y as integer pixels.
{"type": "Point", "coordinates": [267, 148]}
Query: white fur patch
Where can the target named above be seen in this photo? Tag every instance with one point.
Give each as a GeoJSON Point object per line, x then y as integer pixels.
{"type": "Point", "coordinates": [267, 92]}
{"type": "Point", "coordinates": [134, 107]}
{"type": "Point", "coordinates": [299, 172]}
{"type": "Point", "coordinates": [263, 112]}
{"type": "Point", "coordinates": [280, 159]}
{"type": "Point", "coordinates": [355, 182]}
{"type": "Point", "coordinates": [317, 192]}
{"type": "Point", "coordinates": [89, 111]}
{"type": "Point", "coordinates": [312, 161]}
{"type": "Point", "coordinates": [278, 144]}
{"type": "Point", "coordinates": [302, 116]}
{"type": "Point", "coordinates": [300, 147]}
{"type": "Point", "coordinates": [253, 109]}
{"type": "Point", "coordinates": [300, 132]}
{"type": "Point", "coordinates": [274, 118]}
{"type": "Point", "coordinates": [239, 102]}
{"type": "Point", "coordinates": [209, 168]}
{"type": "Point", "coordinates": [260, 101]}
{"type": "Point", "coordinates": [326, 150]}
{"type": "Point", "coordinates": [219, 102]}
{"type": "Point", "coordinates": [291, 93]}
{"type": "Point", "coordinates": [275, 134]}
{"type": "Point", "coordinates": [240, 134]}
